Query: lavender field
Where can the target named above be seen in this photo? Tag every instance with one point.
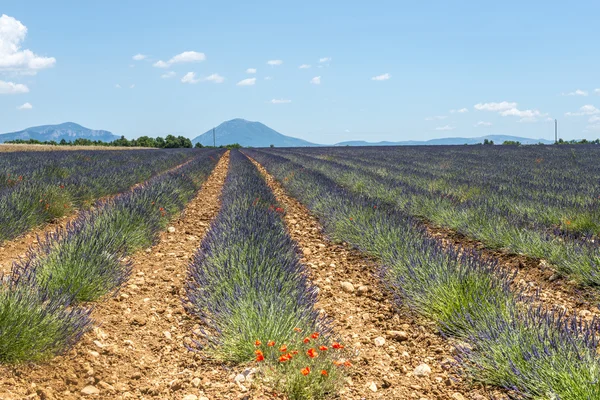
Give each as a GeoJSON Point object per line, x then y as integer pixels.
{"type": "Point", "coordinates": [310, 272]}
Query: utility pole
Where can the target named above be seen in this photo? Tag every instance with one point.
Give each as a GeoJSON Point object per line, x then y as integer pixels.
{"type": "Point", "coordinates": [555, 131]}
{"type": "Point", "coordinates": [214, 138]}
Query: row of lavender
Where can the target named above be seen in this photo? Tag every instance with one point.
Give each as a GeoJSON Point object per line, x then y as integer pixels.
{"type": "Point", "coordinates": [505, 199]}
{"type": "Point", "coordinates": [545, 185]}
{"type": "Point", "coordinates": [508, 340]}
{"type": "Point", "coordinates": [37, 187]}
{"type": "Point", "coordinates": [251, 294]}
{"type": "Point", "coordinates": [45, 301]}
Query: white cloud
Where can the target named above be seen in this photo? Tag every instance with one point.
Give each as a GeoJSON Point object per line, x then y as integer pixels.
{"type": "Point", "coordinates": [131, 86]}
{"type": "Point", "coordinates": [139, 57]}
{"type": "Point", "coordinates": [12, 88]}
{"type": "Point", "coordinates": [597, 91]}
{"type": "Point", "coordinates": [482, 123]}
{"type": "Point", "coordinates": [505, 105]}
{"type": "Point", "coordinates": [251, 71]}
{"type": "Point", "coordinates": [316, 80]}
{"type": "Point", "coordinates": [190, 78]}
{"type": "Point", "coordinates": [26, 106]}
{"type": "Point", "coordinates": [118, 86]}
{"type": "Point", "coordinates": [275, 62]}
{"type": "Point", "coordinates": [12, 57]}
{"type": "Point", "coordinates": [268, 78]}
{"type": "Point", "coordinates": [216, 78]}
{"type": "Point", "coordinates": [509, 109]}
{"type": "Point", "coordinates": [577, 92]}
{"type": "Point", "coordinates": [324, 60]}
{"type": "Point", "coordinates": [382, 77]}
{"type": "Point", "coordinates": [247, 82]}
{"type": "Point", "coordinates": [280, 101]}
{"type": "Point", "coordinates": [436, 118]}
{"type": "Point", "coordinates": [161, 64]}
{"type": "Point", "coordinates": [588, 109]}
{"type": "Point", "coordinates": [594, 119]}
{"type": "Point", "coordinates": [185, 57]}
{"type": "Point", "coordinates": [460, 111]}
{"type": "Point", "coordinates": [515, 112]}
{"type": "Point", "coordinates": [305, 66]}
{"type": "Point", "coordinates": [168, 75]}
{"type": "Point", "coordinates": [445, 128]}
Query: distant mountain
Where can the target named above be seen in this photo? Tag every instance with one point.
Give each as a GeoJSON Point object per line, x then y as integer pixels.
{"type": "Point", "coordinates": [68, 131]}
{"type": "Point", "coordinates": [248, 133]}
{"type": "Point", "coordinates": [498, 139]}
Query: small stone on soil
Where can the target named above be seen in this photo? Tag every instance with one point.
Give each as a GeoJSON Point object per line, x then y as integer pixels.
{"type": "Point", "coordinates": [373, 387]}
{"type": "Point", "coordinates": [347, 287]}
{"type": "Point", "coordinates": [422, 370]}
{"type": "Point", "coordinates": [90, 390]}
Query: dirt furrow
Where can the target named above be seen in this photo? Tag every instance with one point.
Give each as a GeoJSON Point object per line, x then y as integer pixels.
{"type": "Point", "coordinates": [398, 355]}
{"type": "Point", "coordinates": [12, 250]}
{"type": "Point", "coordinates": [138, 351]}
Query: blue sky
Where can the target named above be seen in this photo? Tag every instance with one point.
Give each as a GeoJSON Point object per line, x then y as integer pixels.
{"type": "Point", "coordinates": [388, 70]}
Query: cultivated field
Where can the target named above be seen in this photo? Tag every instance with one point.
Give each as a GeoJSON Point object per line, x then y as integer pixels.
{"type": "Point", "coordinates": [8, 147]}
{"type": "Point", "coordinates": [448, 272]}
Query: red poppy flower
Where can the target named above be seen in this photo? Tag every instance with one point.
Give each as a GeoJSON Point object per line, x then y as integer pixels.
{"type": "Point", "coordinates": [347, 364]}
{"type": "Point", "coordinates": [283, 348]}
{"type": "Point", "coordinates": [324, 373]}
{"type": "Point", "coordinates": [312, 353]}
{"type": "Point", "coordinates": [298, 329]}
{"type": "Point", "coordinates": [259, 355]}
{"type": "Point", "coordinates": [315, 335]}
{"type": "Point", "coordinates": [336, 345]}
{"type": "Point", "coordinates": [271, 343]}
{"type": "Point", "coordinates": [323, 348]}
{"type": "Point", "coordinates": [305, 371]}
{"type": "Point", "coordinates": [257, 343]}
{"type": "Point", "coordinates": [306, 340]}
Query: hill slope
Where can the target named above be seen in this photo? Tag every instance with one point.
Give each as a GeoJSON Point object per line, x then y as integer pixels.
{"type": "Point", "coordinates": [498, 139]}
{"type": "Point", "coordinates": [248, 133]}
{"type": "Point", "coordinates": [68, 131]}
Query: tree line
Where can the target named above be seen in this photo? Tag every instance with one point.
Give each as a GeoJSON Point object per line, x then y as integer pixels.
{"type": "Point", "coordinates": [169, 142]}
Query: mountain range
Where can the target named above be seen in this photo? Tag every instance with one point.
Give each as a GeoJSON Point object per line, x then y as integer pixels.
{"type": "Point", "coordinates": [497, 139]}
{"type": "Point", "coordinates": [68, 131]}
{"type": "Point", "coordinates": [246, 133]}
